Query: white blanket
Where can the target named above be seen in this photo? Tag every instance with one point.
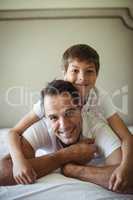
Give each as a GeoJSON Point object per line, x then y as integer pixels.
{"type": "Point", "coordinates": [56, 186]}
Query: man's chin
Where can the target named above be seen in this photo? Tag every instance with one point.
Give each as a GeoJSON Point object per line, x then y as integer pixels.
{"type": "Point", "coordinates": [70, 142]}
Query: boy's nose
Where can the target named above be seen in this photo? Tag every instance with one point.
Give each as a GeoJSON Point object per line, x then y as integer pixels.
{"type": "Point", "coordinates": [81, 77]}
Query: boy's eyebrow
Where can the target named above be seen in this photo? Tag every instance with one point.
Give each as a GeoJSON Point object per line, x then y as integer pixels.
{"type": "Point", "coordinates": [75, 66]}
{"type": "Point", "coordinates": [89, 67]}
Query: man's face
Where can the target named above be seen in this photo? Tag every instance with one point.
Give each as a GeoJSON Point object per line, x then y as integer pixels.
{"type": "Point", "coordinates": [83, 75]}
{"type": "Point", "coordinates": [64, 116]}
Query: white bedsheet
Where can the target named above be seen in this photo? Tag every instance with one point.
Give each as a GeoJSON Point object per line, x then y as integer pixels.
{"type": "Point", "coordinates": [56, 186]}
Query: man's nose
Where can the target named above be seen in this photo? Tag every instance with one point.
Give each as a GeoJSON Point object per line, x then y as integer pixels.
{"type": "Point", "coordinates": [63, 122]}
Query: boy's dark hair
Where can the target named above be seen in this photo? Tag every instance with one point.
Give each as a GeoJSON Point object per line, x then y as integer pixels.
{"type": "Point", "coordinates": [81, 52]}
{"type": "Point", "coordinates": [61, 87]}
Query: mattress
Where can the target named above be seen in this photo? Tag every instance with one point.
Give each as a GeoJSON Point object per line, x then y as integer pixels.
{"type": "Point", "coordinates": [56, 186]}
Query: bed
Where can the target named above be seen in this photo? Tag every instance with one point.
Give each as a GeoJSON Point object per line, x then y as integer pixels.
{"type": "Point", "coordinates": [56, 186]}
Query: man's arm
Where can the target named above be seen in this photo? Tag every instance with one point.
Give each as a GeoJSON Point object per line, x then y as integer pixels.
{"type": "Point", "coordinates": [96, 174]}
{"type": "Point", "coordinates": [81, 152]}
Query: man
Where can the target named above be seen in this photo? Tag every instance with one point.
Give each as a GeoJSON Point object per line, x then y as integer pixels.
{"type": "Point", "coordinates": [60, 135]}
{"type": "Point", "coordinates": [64, 97]}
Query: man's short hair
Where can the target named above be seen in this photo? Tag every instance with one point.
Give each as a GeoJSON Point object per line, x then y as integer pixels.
{"type": "Point", "coordinates": [61, 87]}
{"type": "Point", "coordinates": [81, 52]}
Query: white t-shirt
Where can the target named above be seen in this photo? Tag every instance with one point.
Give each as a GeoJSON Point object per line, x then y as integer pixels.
{"type": "Point", "coordinates": [98, 102]}
{"type": "Point", "coordinates": [40, 136]}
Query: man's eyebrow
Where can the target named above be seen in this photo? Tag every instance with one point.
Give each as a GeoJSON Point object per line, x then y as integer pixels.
{"type": "Point", "coordinates": [69, 109]}
{"type": "Point", "coordinates": [51, 115]}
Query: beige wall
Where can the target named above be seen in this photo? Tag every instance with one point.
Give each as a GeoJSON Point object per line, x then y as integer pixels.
{"type": "Point", "coordinates": [30, 54]}
{"type": "Point", "coordinates": [37, 4]}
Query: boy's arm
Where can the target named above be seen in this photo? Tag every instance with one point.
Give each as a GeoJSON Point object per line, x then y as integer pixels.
{"type": "Point", "coordinates": [14, 143]}
{"type": "Point", "coordinates": [121, 177]}
{"type": "Point", "coordinates": [15, 133]}
{"type": "Point", "coordinates": [80, 152]}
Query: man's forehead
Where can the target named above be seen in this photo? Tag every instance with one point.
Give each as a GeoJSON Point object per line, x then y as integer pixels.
{"type": "Point", "coordinates": [62, 98]}
{"type": "Point", "coordinates": [57, 103]}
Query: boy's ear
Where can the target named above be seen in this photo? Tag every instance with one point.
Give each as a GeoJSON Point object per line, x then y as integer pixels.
{"type": "Point", "coordinates": [64, 75]}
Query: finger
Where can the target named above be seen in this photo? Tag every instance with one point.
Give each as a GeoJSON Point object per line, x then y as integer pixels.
{"type": "Point", "coordinates": [28, 178]}
{"type": "Point", "coordinates": [117, 184]}
{"type": "Point", "coordinates": [112, 181]}
{"type": "Point", "coordinates": [90, 141]}
{"type": "Point", "coordinates": [24, 179]}
{"type": "Point", "coordinates": [34, 174]}
{"type": "Point", "coordinates": [94, 148]}
{"type": "Point", "coordinates": [19, 180]}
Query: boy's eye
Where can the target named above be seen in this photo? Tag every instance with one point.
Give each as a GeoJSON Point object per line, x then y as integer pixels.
{"type": "Point", "coordinates": [90, 71]}
{"type": "Point", "coordinates": [75, 71]}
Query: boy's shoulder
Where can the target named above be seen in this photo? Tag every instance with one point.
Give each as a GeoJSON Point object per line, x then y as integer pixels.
{"type": "Point", "coordinates": [100, 91]}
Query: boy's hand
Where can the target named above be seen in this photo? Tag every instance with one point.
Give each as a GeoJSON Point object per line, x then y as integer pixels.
{"type": "Point", "coordinates": [120, 179]}
{"type": "Point", "coordinates": [23, 172]}
{"type": "Point", "coordinates": [83, 151]}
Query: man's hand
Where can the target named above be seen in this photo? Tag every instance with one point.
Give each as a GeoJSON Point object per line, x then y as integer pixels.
{"type": "Point", "coordinates": [83, 151]}
{"type": "Point", "coordinates": [120, 179]}
{"type": "Point", "coordinates": [23, 172]}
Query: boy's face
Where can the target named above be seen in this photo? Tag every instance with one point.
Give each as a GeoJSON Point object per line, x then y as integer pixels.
{"type": "Point", "coordinates": [83, 75]}
{"type": "Point", "coordinates": [65, 118]}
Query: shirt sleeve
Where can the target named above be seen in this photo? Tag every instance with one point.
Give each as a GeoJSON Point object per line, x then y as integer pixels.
{"type": "Point", "coordinates": [106, 140]}
{"type": "Point", "coordinates": [107, 107]}
{"type": "Point", "coordinates": [38, 109]}
{"type": "Point", "coordinates": [37, 135]}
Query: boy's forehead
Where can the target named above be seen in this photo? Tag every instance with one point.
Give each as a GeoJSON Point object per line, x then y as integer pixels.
{"type": "Point", "coordinates": [81, 63]}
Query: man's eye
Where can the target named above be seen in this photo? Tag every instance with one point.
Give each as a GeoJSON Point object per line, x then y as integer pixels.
{"type": "Point", "coordinates": [53, 118]}
{"type": "Point", "coordinates": [70, 113]}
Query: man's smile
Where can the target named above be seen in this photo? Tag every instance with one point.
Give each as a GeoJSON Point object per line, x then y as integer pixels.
{"type": "Point", "coordinates": [66, 133]}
